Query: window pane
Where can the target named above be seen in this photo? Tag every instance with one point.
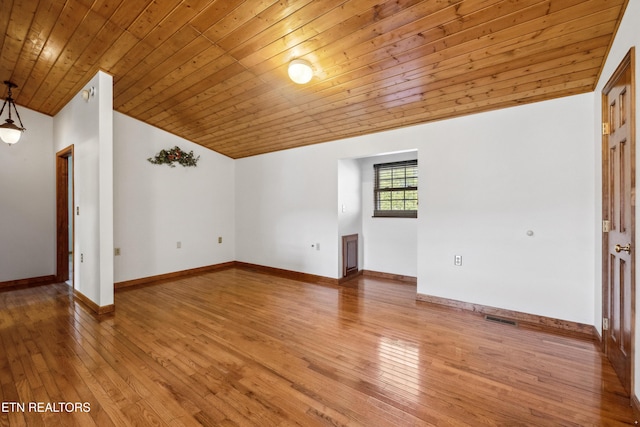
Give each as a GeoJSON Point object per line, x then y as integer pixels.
{"type": "Point", "coordinates": [399, 182]}
{"type": "Point", "coordinates": [385, 174]}
{"type": "Point", "coordinates": [398, 175]}
{"type": "Point", "coordinates": [397, 205]}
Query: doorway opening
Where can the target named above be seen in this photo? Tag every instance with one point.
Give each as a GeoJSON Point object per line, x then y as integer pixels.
{"type": "Point", "coordinates": [64, 216]}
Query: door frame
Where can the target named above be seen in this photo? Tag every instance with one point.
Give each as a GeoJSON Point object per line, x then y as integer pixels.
{"type": "Point", "coordinates": [627, 61]}
{"type": "Point", "coordinates": [62, 213]}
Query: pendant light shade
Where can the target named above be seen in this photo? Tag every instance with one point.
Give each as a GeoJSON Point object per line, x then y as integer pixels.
{"type": "Point", "coordinates": [9, 131]}
{"type": "Point", "coordinates": [300, 71]}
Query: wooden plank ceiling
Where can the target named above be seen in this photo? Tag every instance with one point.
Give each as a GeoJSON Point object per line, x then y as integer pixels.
{"type": "Point", "coordinates": [215, 72]}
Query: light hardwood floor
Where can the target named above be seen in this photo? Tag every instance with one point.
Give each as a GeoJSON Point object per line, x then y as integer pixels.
{"type": "Point", "coordinates": [237, 347]}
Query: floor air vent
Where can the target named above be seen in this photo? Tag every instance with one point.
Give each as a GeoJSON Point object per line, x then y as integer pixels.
{"type": "Point", "coordinates": [500, 320]}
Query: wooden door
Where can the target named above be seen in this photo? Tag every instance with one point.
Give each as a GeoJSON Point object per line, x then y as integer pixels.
{"type": "Point", "coordinates": [64, 245]}
{"type": "Point", "coordinates": [619, 215]}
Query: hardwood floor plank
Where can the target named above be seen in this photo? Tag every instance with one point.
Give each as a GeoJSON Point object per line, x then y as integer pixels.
{"type": "Point", "coordinates": [237, 347]}
{"type": "Point", "coordinates": [10, 417]}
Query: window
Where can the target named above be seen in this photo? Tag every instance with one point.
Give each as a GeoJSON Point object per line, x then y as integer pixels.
{"type": "Point", "coordinates": [395, 191]}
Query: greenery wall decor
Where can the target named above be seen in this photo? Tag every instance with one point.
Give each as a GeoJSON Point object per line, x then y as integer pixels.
{"type": "Point", "coordinates": [174, 155]}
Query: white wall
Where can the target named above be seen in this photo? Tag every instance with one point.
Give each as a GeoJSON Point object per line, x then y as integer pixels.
{"type": "Point", "coordinates": [350, 206]}
{"type": "Point", "coordinates": [27, 201]}
{"type": "Point", "coordinates": [88, 126]}
{"type": "Point", "coordinates": [626, 37]}
{"type": "Point", "coordinates": [286, 202]}
{"type": "Point", "coordinates": [390, 244]}
{"type": "Point", "coordinates": [157, 206]}
{"type": "Point", "coordinates": [488, 179]}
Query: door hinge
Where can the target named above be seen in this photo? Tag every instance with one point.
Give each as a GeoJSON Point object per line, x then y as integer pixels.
{"type": "Point", "coordinates": [605, 324]}
{"type": "Point", "coordinates": [605, 129]}
{"type": "Point", "coordinates": [606, 226]}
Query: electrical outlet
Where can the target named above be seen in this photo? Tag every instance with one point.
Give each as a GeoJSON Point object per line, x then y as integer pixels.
{"type": "Point", "coordinates": [81, 257]}
{"type": "Point", "coordinates": [116, 251]}
{"type": "Point", "coordinates": [457, 260]}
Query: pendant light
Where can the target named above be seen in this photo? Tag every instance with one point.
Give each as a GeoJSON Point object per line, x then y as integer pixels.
{"type": "Point", "coordinates": [9, 132]}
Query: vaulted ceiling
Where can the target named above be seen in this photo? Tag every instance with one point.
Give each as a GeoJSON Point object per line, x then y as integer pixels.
{"type": "Point", "coordinates": [215, 72]}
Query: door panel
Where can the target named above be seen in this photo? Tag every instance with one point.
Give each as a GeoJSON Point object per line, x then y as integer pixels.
{"type": "Point", "coordinates": [349, 254]}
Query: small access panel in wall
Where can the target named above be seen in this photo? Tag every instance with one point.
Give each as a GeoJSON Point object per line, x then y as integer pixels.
{"type": "Point", "coordinates": [349, 255]}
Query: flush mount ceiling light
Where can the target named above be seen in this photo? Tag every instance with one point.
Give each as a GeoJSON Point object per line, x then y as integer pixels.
{"type": "Point", "coordinates": [9, 132]}
{"type": "Point", "coordinates": [300, 71]}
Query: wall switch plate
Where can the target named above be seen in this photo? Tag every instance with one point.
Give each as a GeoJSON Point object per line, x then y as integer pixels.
{"type": "Point", "coordinates": [457, 260]}
{"type": "Point", "coordinates": [317, 246]}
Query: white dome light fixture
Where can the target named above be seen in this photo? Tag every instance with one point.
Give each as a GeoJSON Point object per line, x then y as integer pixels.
{"type": "Point", "coordinates": [87, 94]}
{"type": "Point", "coordinates": [300, 71]}
{"type": "Point", "coordinates": [9, 132]}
